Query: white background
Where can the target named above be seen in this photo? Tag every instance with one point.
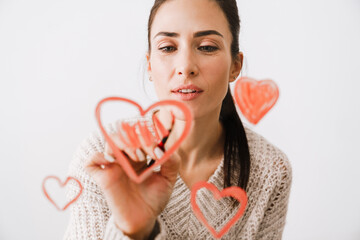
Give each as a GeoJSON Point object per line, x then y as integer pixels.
{"type": "Point", "coordinates": [58, 58]}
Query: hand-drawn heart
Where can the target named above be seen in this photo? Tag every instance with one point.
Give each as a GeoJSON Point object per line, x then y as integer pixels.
{"type": "Point", "coordinates": [235, 192]}
{"type": "Point", "coordinates": [255, 98]}
{"type": "Point", "coordinates": [121, 158]}
{"type": "Point", "coordinates": [61, 185]}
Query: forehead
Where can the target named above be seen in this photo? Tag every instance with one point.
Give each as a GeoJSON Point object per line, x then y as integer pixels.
{"type": "Point", "coordinates": [189, 16]}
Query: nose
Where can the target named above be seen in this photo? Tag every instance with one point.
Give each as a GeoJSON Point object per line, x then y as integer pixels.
{"type": "Point", "coordinates": [186, 64]}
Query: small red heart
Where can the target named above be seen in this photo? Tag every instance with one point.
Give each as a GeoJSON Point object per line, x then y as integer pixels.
{"type": "Point", "coordinates": [61, 185]}
{"type": "Point", "coordinates": [255, 98]}
{"type": "Point", "coordinates": [235, 192]}
{"type": "Point", "coordinates": [123, 161]}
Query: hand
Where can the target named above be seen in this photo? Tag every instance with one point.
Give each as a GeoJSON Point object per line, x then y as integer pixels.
{"type": "Point", "coordinates": [135, 207]}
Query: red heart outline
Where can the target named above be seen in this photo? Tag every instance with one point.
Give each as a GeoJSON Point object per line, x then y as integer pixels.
{"type": "Point", "coordinates": [61, 185]}
{"type": "Point", "coordinates": [255, 98]}
{"type": "Point", "coordinates": [235, 192]}
{"type": "Point", "coordinates": [123, 161]}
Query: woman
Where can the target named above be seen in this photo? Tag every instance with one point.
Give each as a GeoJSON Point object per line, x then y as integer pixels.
{"type": "Point", "coordinates": [193, 56]}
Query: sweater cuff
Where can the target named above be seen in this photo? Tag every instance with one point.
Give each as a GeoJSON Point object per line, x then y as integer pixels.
{"type": "Point", "coordinates": [113, 233]}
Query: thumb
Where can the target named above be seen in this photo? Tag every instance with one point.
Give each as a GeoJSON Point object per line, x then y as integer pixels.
{"type": "Point", "coordinates": [103, 169]}
{"type": "Point", "coordinates": [170, 168]}
{"type": "Point", "coordinates": [98, 161]}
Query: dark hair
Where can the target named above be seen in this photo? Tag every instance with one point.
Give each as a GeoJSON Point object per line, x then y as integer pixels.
{"type": "Point", "coordinates": [236, 149]}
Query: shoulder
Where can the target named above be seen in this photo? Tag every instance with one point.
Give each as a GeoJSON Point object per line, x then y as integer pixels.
{"type": "Point", "coordinates": [267, 160]}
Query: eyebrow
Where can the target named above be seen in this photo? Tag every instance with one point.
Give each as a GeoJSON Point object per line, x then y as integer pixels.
{"type": "Point", "coordinates": [167, 34]}
{"type": "Point", "coordinates": [207, 32]}
{"type": "Point", "coordinates": [197, 34]}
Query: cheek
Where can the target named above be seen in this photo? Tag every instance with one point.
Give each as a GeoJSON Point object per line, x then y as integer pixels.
{"type": "Point", "coordinates": [217, 72]}
{"type": "Point", "coordinates": [160, 73]}
{"type": "Point", "coordinates": [159, 66]}
{"type": "Point", "coordinates": [160, 90]}
{"type": "Point", "coordinates": [217, 75]}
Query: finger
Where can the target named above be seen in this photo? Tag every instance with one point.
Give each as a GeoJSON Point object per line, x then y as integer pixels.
{"type": "Point", "coordinates": [137, 164]}
{"type": "Point", "coordinates": [164, 127]}
{"type": "Point", "coordinates": [146, 139]}
{"type": "Point", "coordinates": [160, 130]}
{"type": "Point", "coordinates": [128, 134]}
{"type": "Point", "coordinates": [116, 140]}
{"type": "Point", "coordinates": [128, 144]}
{"type": "Point", "coordinates": [130, 153]}
{"type": "Point", "coordinates": [109, 155]}
{"type": "Point", "coordinates": [140, 154]}
{"type": "Point", "coordinates": [108, 150]}
{"type": "Point", "coordinates": [109, 158]}
{"type": "Point", "coordinates": [159, 153]}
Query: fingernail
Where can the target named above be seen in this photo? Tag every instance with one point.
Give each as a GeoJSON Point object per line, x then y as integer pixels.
{"type": "Point", "coordinates": [148, 159]}
{"type": "Point", "coordinates": [158, 152]}
{"type": "Point", "coordinates": [157, 168]}
{"type": "Point", "coordinates": [108, 149]}
{"type": "Point", "coordinates": [109, 158]}
{"type": "Point", "coordinates": [140, 154]}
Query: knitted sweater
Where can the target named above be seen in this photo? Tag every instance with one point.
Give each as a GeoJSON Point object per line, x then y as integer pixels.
{"type": "Point", "coordinates": [264, 218]}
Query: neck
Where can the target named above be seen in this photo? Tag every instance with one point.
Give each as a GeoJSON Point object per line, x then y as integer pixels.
{"type": "Point", "coordinates": [204, 143]}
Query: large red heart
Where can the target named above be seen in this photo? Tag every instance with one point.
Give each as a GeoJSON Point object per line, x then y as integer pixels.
{"type": "Point", "coordinates": [255, 98]}
{"type": "Point", "coordinates": [235, 192]}
{"type": "Point", "coordinates": [61, 185]}
{"type": "Point", "coordinates": [121, 158]}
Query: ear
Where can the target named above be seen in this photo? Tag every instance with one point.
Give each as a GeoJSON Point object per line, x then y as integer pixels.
{"type": "Point", "coordinates": [148, 68]}
{"type": "Point", "coordinates": [236, 67]}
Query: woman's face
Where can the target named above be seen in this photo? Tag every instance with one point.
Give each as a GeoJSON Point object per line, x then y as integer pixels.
{"type": "Point", "coordinates": [190, 58]}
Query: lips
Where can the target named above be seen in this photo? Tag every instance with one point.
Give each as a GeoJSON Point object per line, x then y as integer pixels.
{"type": "Point", "coordinates": [187, 88]}
{"type": "Point", "coordinates": [187, 92]}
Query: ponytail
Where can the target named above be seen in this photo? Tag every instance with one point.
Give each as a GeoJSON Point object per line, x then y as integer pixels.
{"type": "Point", "coordinates": [236, 148]}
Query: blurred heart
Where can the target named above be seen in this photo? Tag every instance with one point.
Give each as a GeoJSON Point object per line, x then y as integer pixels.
{"type": "Point", "coordinates": [235, 192]}
{"type": "Point", "coordinates": [120, 157]}
{"type": "Point", "coordinates": [255, 98]}
{"type": "Point", "coordinates": [49, 179]}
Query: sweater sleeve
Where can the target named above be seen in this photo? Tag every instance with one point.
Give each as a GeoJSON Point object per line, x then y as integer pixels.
{"type": "Point", "coordinates": [90, 216]}
{"type": "Point", "coordinates": [113, 233]}
{"type": "Point", "coordinates": [273, 223]}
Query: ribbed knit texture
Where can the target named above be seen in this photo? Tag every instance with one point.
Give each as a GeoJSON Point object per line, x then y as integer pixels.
{"type": "Point", "coordinates": [264, 218]}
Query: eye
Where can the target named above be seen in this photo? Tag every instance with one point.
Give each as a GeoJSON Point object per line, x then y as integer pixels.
{"type": "Point", "coordinates": [167, 49]}
{"type": "Point", "coordinates": [208, 48]}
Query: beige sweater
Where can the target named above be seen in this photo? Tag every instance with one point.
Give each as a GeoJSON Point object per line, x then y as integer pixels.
{"type": "Point", "coordinates": [264, 218]}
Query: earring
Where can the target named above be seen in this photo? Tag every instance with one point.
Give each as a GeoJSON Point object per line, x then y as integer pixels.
{"type": "Point", "coordinates": [150, 79]}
